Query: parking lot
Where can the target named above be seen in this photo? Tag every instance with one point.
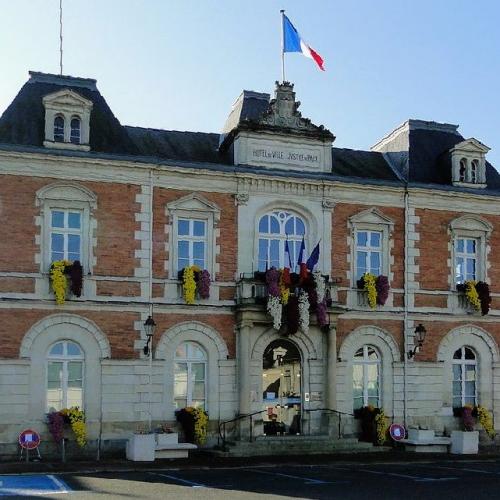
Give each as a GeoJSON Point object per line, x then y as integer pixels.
{"type": "Point", "coordinates": [408, 480]}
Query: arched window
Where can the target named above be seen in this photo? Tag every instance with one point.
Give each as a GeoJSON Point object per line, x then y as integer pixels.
{"type": "Point", "coordinates": [75, 130]}
{"type": "Point", "coordinates": [474, 170]}
{"type": "Point", "coordinates": [464, 377]}
{"type": "Point", "coordinates": [366, 377]}
{"type": "Point", "coordinates": [59, 129]}
{"type": "Point", "coordinates": [190, 366]}
{"type": "Point", "coordinates": [275, 228]}
{"type": "Point", "coordinates": [65, 362]}
{"type": "Point", "coordinates": [462, 175]}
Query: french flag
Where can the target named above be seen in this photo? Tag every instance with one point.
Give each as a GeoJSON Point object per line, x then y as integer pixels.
{"type": "Point", "coordinates": [293, 42]}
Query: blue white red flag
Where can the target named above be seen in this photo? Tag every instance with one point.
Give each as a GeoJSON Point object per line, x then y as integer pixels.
{"type": "Point", "coordinates": [288, 257]}
{"type": "Point", "coordinates": [313, 258]}
{"type": "Point", "coordinates": [302, 249]}
{"type": "Point", "coordinates": [293, 42]}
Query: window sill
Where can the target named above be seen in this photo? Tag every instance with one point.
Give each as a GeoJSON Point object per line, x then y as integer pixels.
{"type": "Point", "coordinates": [66, 145]}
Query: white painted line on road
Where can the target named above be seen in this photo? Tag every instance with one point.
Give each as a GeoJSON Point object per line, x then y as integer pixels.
{"type": "Point", "coordinates": [467, 469]}
{"type": "Point", "coordinates": [429, 479]}
{"type": "Point", "coordinates": [193, 484]}
{"type": "Point", "coordinates": [380, 473]}
{"type": "Point", "coordinates": [307, 480]}
{"type": "Point", "coordinates": [63, 488]}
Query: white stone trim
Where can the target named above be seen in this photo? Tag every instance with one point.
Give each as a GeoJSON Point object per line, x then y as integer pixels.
{"type": "Point", "coordinates": [70, 319]}
{"type": "Point", "coordinates": [390, 356]}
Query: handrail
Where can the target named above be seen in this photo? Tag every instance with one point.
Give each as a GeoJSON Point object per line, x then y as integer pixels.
{"type": "Point", "coordinates": [222, 425]}
{"type": "Point", "coordinates": [331, 410]}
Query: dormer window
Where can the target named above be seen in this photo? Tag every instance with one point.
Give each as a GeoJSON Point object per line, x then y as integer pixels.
{"type": "Point", "coordinates": [75, 130]}
{"type": "Point", "coordinates": [67, 120]}
{"type": "Point", "coordinates": [59, 129]}
{"type": "Point", "coordinates": [468, 159]}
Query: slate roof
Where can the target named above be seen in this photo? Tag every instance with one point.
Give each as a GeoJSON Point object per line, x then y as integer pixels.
{"type": "Point", "coordinates": [419, 155]}
{"type": "Point", "coordinates": [419, 150]}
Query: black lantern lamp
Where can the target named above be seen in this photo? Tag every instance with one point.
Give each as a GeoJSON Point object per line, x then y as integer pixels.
{"type": "Point", "coordinates": [419, 338]}
{"type": "Point", "coordinates": [149, 329]}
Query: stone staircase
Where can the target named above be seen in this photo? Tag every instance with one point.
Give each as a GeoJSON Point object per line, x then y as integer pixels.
{"type": "Point", "coordinates": [296, 445]}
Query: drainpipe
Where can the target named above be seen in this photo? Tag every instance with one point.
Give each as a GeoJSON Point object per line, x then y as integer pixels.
{"type": "Point", "coordinates": [406, 302]}
{"type": "Point", "coordinates": [150, 294]}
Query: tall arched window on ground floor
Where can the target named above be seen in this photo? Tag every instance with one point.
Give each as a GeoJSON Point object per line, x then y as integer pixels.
{"type": "Point", "coordinates": [464, 377]}
{"type": "Point", "coordinates": [190, 366]}
{"type": "Point", "coordinates": [366, 377]}
{"type": "Point", "coordinates": [65, 365]}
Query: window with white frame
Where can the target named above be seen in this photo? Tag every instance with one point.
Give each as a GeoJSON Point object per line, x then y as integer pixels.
{"type": "Point", "coordinates": [368, 253]}
{"type": "Point", "coordinates": [75, 130]}
{"type": "Point", "coordinates": [465, 259]}
{"type": "Point", "coordinates": [191, 243]}
{"type": "Point", "coordinates": [274, 230]}
{"type": "Point", "coordinates": [464, 365]}
{"type": "Point", "coordinates": [190, 367]}
{"type": "Point", "coordinates": [366, 377]}
{"type": "Point", "coordinates": [65, 235]}
{"type": "Point", "coordinates": [65, 370]}
{"type": "Point", "coordinates": [59, 129]}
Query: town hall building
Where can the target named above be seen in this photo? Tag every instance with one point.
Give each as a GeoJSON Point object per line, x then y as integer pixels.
{"type": "Point", "coordinates": [209, 235]}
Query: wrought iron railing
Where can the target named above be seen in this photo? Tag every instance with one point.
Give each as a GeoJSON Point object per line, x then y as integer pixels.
{"type": "Point", "coordinates": [335, 412]}
{"type": "Point", "coordinates": [238, 418]}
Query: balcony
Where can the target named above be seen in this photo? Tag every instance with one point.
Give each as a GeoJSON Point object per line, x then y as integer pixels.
{"type": "Point", "coordinates": [251, 289]}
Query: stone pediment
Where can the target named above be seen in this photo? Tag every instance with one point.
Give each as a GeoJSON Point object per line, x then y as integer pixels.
{"type": "Point", "coordinates": [283, 115]}
{"type": "Point", "coordinates": [470, 146]}
{"type": "Point", "coordinates": [194, 203]}
{"type": "Point", "coordinates": [66, 98]}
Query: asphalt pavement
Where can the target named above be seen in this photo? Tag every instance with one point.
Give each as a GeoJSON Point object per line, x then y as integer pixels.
{"type": "Point", "coordinates": [420, 478]}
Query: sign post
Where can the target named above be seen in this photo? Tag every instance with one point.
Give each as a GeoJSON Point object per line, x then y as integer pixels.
{"type": "Point", "coordinates": [397, 432]}
{"type": "Point", "coordinates": [29, 440]}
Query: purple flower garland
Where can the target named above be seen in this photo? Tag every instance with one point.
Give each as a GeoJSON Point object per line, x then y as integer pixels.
{"type": "Point", "coordinates": [203, 284]}
{"type": "Point", "coordinates": [55, 422]}
{"type": "Point", "coordinates": [382, 287]}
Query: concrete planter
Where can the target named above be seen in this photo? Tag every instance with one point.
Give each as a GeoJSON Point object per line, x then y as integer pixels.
{"type": "Point", "coordinates": [464, 443]}
{"type": "Point", "coordinates": [166, 439]}
{"type": "Point", "coordinates": [141, 448]}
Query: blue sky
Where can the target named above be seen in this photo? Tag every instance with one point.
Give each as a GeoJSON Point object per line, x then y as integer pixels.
{"type": "Point", "coordinates": [180, 64]}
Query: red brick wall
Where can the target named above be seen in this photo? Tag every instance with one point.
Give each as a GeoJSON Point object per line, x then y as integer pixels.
{"type": "Point", "coordinates": [118, 288]}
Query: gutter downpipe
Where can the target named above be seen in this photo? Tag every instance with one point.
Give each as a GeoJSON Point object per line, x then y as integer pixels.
{"type": "Point", "coordinates": [406, 302]}
{"type": "Point", "coordinates": [150, 295]}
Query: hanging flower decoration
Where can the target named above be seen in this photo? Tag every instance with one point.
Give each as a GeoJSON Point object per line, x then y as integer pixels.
{"type": "Point", "coordinates": [73, 416]}
{"type": "Point", "coordinates": [194, 423]}
{"type": "Point", "coordinates": [284, 287]}
{"type": "Point", "coordinates": [275, 310]}
{"type": "Point", "coordinates": [204, 284]}
{"type": "Point", "coordinates": [485, 420]}
{"type": "Point", "coordinates": [293, 315]}
{"type": "Point", "coordinates": [483, 291]}
{"type": "Point", "coordinates": [320, 286]}
{"type": "Point", "coordinates": [472, 295]}
{"type": "Point", "coordinates": [304, 311]}
{"type": "Point", "coordinates": [322, 314]}
{"type": "Point", "coordinates": [381, 426]}
{"type": "Point", "coordinates": [370, 287]}
{"type": "Point", "coordinates": [189, 284]}
{"type": "Point", "coordinates": [76, 277]}
{"type": "Point", "coordinates": [272, 277]}
{"type": "Point", "coordinates": [59, 280]}
{"type": "Point", "coordinates": [382, 287]}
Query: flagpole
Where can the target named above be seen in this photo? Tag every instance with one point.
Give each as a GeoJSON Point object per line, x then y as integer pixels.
{"type": "Point", "coordinates": [282, 46]}
{"type": "Point", "coordinates": [61, 36]}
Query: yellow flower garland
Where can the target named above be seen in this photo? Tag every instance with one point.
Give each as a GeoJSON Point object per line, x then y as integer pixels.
{"type": "Point", "coordinates": [59, 280]}
{"type": "Point", "coordinates": [369, 286]}
{"type": "Point", "coordinates": [381, 424]}
{"type": "Point", "coordinates": [485, 420]}
{"type": "Point", "coordinates": [77, 422]}
{"type": "Point", "coordinates": [284, 290]}
{"type": "Point", "coordinates": [472, 295]}
{"type": "Point", "coordinates": [200, 425]}
{"type": "Point", "coordinates": [189, 284]}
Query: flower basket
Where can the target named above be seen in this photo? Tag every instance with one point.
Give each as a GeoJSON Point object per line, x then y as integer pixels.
{"type": "Point", "coordinates": [66, 276]}
{"type": "Point", "coordinates": [58, 422]}
{"type": "Point", "coordinates": [195, 281]}
{"type": "Point", "coordinates": [194, 422]}
{"type": "Point", "coordinates": [141, 448]}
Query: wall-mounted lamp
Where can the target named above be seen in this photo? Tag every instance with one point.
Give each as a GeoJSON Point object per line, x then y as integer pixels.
{"type": "Point", "coordinates": [149, 329]}
{"type": "Point", "coordinates": [419, 338]}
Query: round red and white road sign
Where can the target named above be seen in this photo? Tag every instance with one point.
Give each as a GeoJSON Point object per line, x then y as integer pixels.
{"type": "Point", "coordinates": [397, 432]}
{"type": "Point", "coordinates": [29, 439]}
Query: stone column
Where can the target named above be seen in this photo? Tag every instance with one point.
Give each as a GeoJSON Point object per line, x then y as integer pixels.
{"type": "Point", "coordinates": [243, 355]}
{"type": "Point", "coordinates": [332, 369]}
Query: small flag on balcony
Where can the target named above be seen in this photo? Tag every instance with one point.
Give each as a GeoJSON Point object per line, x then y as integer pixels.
{"type": "Point", "coordinates": [313, 258]}
{"type": "Point", "coordinates": [288, 257]}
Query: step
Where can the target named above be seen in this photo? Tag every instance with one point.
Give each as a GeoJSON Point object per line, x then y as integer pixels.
{"type": "Point", "coordinates": [174, 450]}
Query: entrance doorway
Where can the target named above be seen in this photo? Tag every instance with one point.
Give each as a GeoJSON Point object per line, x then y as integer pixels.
{"type": "Point", "coordinates": [281, 388]}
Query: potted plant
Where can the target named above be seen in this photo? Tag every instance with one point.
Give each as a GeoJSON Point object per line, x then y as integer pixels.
{"type": "Point", "coordinates": [465, 441]}
{"type": "Point", "coordinates": [194, 422]}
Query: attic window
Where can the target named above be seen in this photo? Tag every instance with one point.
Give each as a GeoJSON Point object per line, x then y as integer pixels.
{"type": "Point", "coordinates": [67, 120]}
{"type": "Point", "coordinates": [468, 159]}
{"type": "Point", "coordinates": [474, 168]}
{"type": "Point", "coordinates": [75, 130]}
{"type": "Point", "coordinates": [59, 129]}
